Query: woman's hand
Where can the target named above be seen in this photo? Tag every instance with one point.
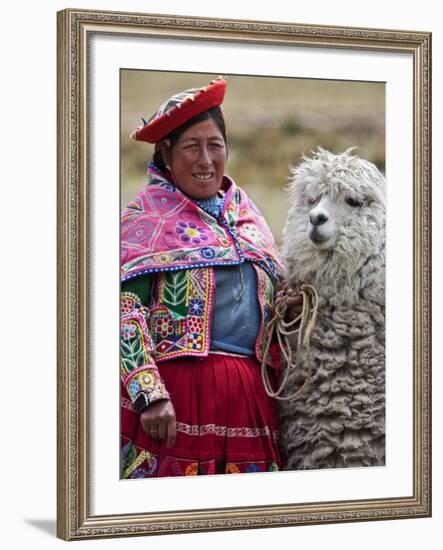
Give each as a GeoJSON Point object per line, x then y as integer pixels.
{"type": "Point", "coordinates": [158, 421]}
{"type": "Point", "coordinates": [289, 297]}
{"type": "Point", "coordinates": [294, 302]}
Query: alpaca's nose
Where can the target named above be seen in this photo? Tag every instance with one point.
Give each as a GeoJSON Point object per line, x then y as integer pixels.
{"type": "Point", "coordinates": [318, 218]}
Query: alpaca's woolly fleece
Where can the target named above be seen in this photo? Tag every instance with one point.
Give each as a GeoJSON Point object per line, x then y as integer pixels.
{"type": "Point", "coordinates": [339, 420]}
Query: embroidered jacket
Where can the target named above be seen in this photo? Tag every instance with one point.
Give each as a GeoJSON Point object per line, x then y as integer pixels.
{"type": "Point", "coordinates": [168, 236]}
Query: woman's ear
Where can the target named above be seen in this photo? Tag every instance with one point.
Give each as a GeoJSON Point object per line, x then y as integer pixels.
{"type": "Point", "coordinates": [164, 147]}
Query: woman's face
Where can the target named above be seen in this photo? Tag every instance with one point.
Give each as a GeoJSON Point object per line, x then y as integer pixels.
{"type": "Point", "coordinates": [197, 160]}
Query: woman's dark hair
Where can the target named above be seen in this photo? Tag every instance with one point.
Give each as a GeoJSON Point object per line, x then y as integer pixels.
{"type": "Point", "coordinates": [215, 113]}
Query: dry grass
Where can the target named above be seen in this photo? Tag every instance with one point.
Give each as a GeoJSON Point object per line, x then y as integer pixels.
{"type": "Point", "coordinates": [271, 122]}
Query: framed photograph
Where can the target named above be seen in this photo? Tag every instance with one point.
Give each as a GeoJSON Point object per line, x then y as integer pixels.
{"type": "Point", "coordinates": [294, 94]}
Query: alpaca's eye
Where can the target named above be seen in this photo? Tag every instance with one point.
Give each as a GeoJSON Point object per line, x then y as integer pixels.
{"type": "Point", "coordinates": [353, 202]}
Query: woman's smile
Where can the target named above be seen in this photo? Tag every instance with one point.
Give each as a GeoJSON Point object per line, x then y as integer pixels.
{"type": "Point", "coordinates": [204, 177]}
{"type": "Point", "coordinates": [197, 160]}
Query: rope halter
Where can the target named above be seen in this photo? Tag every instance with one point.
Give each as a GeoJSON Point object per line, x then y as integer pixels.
{"type": "Point", "coordinates": [302, 325]}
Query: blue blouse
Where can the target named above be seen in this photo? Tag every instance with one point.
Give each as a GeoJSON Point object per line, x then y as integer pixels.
{"type": "Point", "coordinates": [236, 317]}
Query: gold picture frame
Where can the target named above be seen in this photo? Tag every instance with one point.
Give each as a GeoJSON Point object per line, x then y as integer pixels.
{"type": "Point", "coordinates": [75, 29]}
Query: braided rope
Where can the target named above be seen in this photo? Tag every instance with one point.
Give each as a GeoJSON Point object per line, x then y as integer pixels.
{"type": "Point", "coordinates": [304, 324]}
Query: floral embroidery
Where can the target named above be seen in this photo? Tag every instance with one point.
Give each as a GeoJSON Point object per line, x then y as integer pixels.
{"type": "Point", "coordinates": [195, 324]}
{"type": "Point", "coordinates": [128, 331]}
{"type": "Point", "coordinates": [207, 253]}
{"type": "Point", "coordinates": [166, 222]}
{"type": "Point", "coordinates": [132, 464]}
{"type": "Point", "coordinates": [138, 370]}
{"type": "Point", "coordinates": [253, 468]}
{"type": "Point", "coordinates": [250, 230]}
{"type": "Point", "coordinates": [190, 233]}
{"type": "Point", "coordinates": [147, 380]}
{"type": "Point", "coordinates": [133, 388]}
{"type": "Point", "coordinates": [164, 200]}
{"type": "Point", "coordinates": [185, 299]}
{"type": "Point", "coordinates": [191, 469]}
{"type": "Point", "coordinates": [196, 306]}
{"type": "Point", "coordinates": [224, 242]}
{"type": "Point", "coordinates": [140, 232]}
{"type": "Point", "coordinates": [195, 341]}
{"type": "Point", "coordinates": [165, 326]}
{"type": "Point", "coordinates": [130, 303]}
{"type": "Point", "coordinates": [163, 258]}
{"type": "Point", "coordinates": [179, 319]}
{"type": "Point", "coordinates": [140, 463]}
{"type": "Point", "coordinates": [194, 257]}
{"type": "Point", "coordinates": [132, 349]}
{"type": "Point", "coordinates": [127, 303]}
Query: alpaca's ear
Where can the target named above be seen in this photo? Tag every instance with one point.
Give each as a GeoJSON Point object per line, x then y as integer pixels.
{"type": "Point", "coordinates": [292, 168]}
{"type": "Point", "coordinates": [349, 150]}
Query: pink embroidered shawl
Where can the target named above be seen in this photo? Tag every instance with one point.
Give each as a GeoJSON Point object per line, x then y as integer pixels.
{"type": "Point", "coordinates": [164, 230]}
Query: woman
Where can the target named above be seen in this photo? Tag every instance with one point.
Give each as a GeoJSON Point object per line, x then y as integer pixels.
{"type": "Point", "coordinates": [199, 268]}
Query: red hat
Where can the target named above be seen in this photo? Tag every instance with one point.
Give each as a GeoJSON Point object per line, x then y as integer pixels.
{"type": "Point", "coordinates": [180, 108]}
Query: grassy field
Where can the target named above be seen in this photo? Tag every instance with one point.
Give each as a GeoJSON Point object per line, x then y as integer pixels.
{"type": "Point", "coordinates": [271, 122]}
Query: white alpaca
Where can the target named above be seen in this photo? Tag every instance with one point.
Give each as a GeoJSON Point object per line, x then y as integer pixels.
{"type": "Point", "coordinates": [334, 239]}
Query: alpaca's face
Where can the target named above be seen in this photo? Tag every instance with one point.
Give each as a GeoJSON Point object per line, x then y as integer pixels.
{"type": "Point", "coordinates": [336, 223]}
{"type": "Point", "coordinates": [337, 205]}
{"type": "Point", "coordinates": [327, 215]}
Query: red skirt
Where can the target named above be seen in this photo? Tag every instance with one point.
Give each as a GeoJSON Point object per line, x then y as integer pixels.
{"type": "Point", "coordinates": [226, 423]}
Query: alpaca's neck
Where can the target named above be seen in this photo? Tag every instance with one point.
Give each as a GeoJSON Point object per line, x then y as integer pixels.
{"type": "Point", "coordinates": [339, 280]}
